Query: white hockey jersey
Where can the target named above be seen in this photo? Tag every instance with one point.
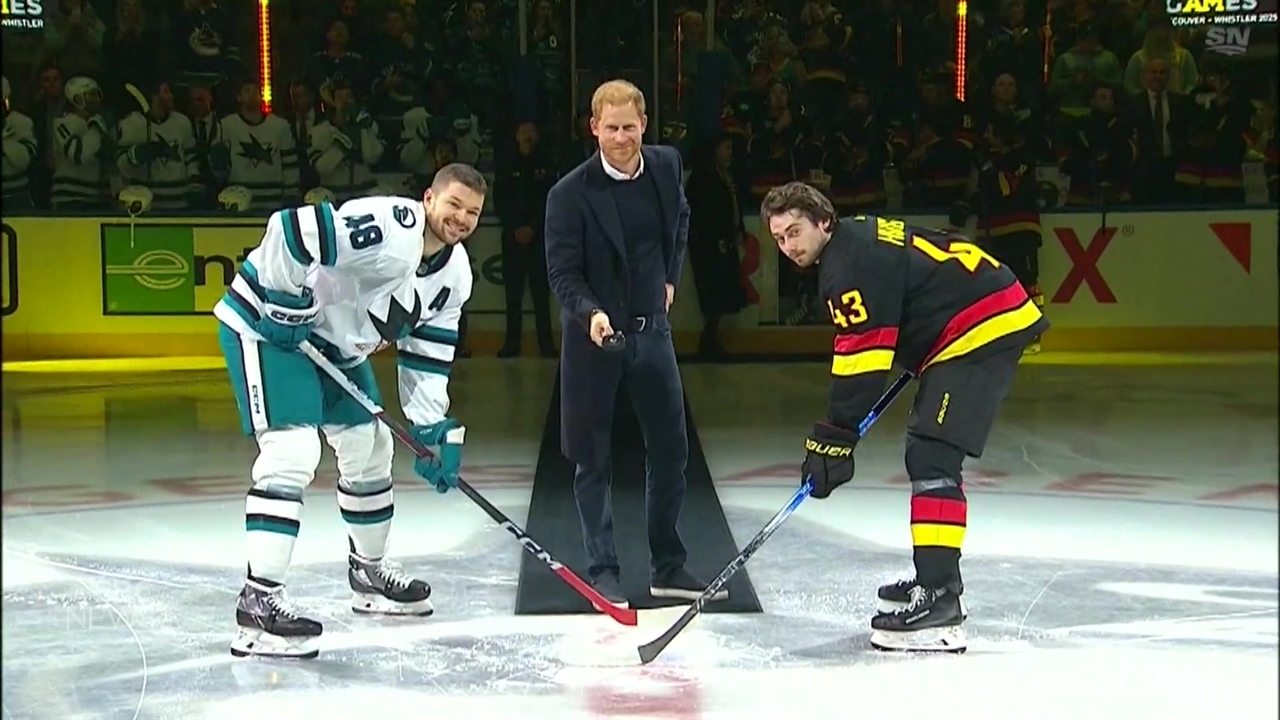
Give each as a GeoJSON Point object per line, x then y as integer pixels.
{"type": "Point", "coordinates": [264, 159]}
{"type": "Point", "coordinates": [19, 151]}
{"type": "Point", "coordinates": [421, 132]}
{"type": "Point", "coordinates": [159, 155]}
{"type": "Point", "coordinates": [364, 265]}
{"type": "Point", "coordinates": [79, 168]}
{"type": "Point", "coordinates": [345, 171]}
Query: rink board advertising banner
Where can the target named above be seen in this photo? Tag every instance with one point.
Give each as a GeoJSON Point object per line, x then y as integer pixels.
{"type": "Point", "coordinates": [170, 269]}
{"type": "Point", "coordinates": [85, 287]}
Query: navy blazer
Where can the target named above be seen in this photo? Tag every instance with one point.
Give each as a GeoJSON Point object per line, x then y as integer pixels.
{"type": "Point", "coordinates": [586, 257]}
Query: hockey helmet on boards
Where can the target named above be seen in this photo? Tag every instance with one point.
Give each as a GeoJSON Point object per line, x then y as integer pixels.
{"type": "Point", "coordinates": [136, 199]}
{"type": "Point", "coordinates": [318, 195]}
{"type": "Point", "coordinates": [235, 198]}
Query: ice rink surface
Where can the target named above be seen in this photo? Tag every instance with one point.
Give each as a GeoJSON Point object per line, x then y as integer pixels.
{"type": "Point", "coordinates": [1121, 560]}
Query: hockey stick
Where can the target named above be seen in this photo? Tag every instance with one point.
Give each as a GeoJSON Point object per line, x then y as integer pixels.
{"type": "Point", "coordinates": [626, 616]}
{"type": "Point", "coordinates": [649, 651]}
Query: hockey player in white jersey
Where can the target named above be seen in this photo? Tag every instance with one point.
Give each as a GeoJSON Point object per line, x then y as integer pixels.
{"type": "Point", "coordinates": [19, 151]}
{"type": "Point", "coordinates": [345, 146]}
{"type": "Point", "coordinates": [257, 151]}
{"type": "Point", "coordinates": [380, 271]}
{"type": "Point", "coordinates": [82, 147]}
{"type": "Point", "coordinates": [422, 132]}
{"type": "Point", "coordinates": [156, 148]}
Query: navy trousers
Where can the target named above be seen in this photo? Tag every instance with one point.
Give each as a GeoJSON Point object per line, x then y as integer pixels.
{"type": "Point", "coordinates": [647, 369]}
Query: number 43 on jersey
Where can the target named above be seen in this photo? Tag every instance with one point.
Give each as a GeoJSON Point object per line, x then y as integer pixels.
{"type": "Point", "coordinates": [851, 311]}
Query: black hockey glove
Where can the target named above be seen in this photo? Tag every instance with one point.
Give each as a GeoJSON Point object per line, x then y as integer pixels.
{"type": "Point", "coordinates": [828, 458]}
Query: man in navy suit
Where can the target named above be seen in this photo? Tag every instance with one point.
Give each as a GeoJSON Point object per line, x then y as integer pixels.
{"type": "Point", "coordinates": [616, 229]}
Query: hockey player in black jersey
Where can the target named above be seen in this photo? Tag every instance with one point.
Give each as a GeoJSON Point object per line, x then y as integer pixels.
{"type": "Point", "coordinates": [932, 302]}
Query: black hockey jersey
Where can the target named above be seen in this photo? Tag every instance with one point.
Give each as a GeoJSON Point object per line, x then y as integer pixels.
{"type": "Point", "coordinates": [914, 296]}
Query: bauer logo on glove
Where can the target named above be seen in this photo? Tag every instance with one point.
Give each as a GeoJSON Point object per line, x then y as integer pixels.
{"type": "Point", "coordinates": [828, 459]}
{"type": "Point", "coordinates": [827, 449]}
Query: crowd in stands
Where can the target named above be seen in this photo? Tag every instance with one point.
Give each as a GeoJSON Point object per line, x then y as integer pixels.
{"type": "Point", "coordinates": [863, 97]}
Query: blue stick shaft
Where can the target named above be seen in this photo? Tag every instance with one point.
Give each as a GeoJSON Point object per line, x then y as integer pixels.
{"type": "Point", "coordinates": [649, 651]}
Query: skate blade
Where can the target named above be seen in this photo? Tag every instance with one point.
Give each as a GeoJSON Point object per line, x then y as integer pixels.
{"type": "Point", "coordinates": [256, 643]}
{"type": "Point", "coordinates": [934, 640]}
{"type": "Point", "coordinates": [379, 605]}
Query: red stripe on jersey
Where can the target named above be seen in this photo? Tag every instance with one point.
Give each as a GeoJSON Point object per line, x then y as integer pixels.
{"type": "Point", "coordinates": [878, 339]}
{"type": "Point", "coordinates": [1000, 301]}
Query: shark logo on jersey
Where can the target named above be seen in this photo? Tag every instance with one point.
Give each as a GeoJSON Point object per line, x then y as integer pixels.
{"type": "Point", "coordinates": [166, 149]}
{"type": "Point", "coordinates": [257, 152]}
{"type": "Point", "coordinates": [403, 215]}
{"type": "Point", "coordinates": [400, 321]}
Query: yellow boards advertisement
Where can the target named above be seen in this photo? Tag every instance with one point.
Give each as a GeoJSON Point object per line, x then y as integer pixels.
{"type": "Point", "coordinates": [170, 269]}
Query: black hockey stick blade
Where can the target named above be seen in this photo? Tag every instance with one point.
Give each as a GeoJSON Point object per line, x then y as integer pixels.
{"type": "Point", "coordinates": [625, 616]}
{"type": "Point", "coordinates": [651, 650]}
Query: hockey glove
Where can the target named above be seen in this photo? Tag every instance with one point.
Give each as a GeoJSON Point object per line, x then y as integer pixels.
{"type": "Point", "coordinates": [287, 319]}
{"type": "Point", "coordinates": [140, 154]}
{"type": "Point", "coordinates": [96, 122]}
{"type": "Point", "coordinates": [828, 458]}
{"type": "Point", "coordinates": [342, 140]}
{"type": "Point", "coordinates": [441, 472]}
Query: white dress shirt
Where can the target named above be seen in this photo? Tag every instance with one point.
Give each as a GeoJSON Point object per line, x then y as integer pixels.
{"type": "Point", "coordinates": [617, 174]}
{"type": "Point", "coordinates": [1153, 97]}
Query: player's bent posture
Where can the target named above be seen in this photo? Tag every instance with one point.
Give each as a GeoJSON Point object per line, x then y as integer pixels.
{"type": "Point", "coordinates": [940, 306]}
{"type": "Point", "coordinates": [379, 271]}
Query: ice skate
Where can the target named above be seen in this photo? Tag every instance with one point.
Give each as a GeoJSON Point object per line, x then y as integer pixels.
{"type": "Point", "coordinates": [269, 627]}
{"type": "Point", "coordinates": [896, 595]}
{"type": "Point", "coordinates": [931, 621]}
{"type": "Point", "coordinates": [382, 587]}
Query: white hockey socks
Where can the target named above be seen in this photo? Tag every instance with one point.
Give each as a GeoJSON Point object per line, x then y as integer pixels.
{"type": "Point", "coordinates": [271, 522]}
{"type": "Point", "coordinates": [367, 508]}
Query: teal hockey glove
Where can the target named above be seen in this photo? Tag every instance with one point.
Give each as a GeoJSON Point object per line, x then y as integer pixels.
{"type": "Point", "coordinates": [446, 436]}
{"type": "Point", "coordinates": [287, 319]}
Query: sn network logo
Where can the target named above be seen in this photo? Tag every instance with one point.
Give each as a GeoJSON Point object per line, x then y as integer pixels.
{"type": "Point", "coordinates": [1227, 40]}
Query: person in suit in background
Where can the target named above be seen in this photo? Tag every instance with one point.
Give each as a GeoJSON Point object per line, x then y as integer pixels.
{"type": "Point", "coordinates": [1160, 118]}
{"type": "Point", "coordinates": [520, 197]}
{"type": "Point", "coordinates": [616, 230]}
{"type": "Point", "coordinates": [715, 234]}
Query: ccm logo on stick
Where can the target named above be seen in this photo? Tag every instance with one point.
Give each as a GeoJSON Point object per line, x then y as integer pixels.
{"type": "Point", "coordinates": [533, 547]}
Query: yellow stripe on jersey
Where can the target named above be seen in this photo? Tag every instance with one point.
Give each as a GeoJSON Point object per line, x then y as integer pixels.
{"type": "Point", "coordinates": [989, 331]}
{"type": "Point", "coordinates": [862, 362]}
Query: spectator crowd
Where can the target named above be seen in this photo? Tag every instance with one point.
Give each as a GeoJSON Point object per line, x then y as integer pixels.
{"type": "Point", "coordinates": [863, 97]}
